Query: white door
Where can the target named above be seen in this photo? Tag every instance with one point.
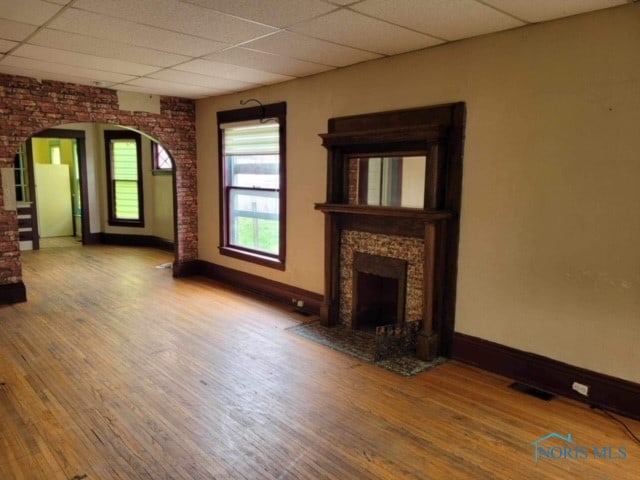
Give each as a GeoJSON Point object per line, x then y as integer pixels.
{"type": "Point", "coordinates": [53, 198]}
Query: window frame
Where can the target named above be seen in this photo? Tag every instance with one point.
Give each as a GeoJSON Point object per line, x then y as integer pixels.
{"type": "Point", "coordinates": [110, 135]}
{"type": "Point", "coordinates": [279, 111]}
{"type": "Point", "coordinates": [155, 169]}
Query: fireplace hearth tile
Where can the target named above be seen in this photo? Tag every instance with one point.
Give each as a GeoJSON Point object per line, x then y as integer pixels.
{"type": "Point", "coordinates": [362, 345]}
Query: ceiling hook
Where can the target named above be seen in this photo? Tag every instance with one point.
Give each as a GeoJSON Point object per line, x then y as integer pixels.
{"type": "Point", "coordinates": [262, 114]}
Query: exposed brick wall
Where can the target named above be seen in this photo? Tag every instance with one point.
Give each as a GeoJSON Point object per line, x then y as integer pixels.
{"type": "Point", "coordinates": [28, 106]}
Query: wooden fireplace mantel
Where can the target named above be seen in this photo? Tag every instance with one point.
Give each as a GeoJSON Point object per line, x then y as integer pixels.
{"type": "Point", "coordinates": [415, 213]}
{"type": "Point", "coordinates": [438, 133]}
{"type": "Point", "coordinates": [406, 222]}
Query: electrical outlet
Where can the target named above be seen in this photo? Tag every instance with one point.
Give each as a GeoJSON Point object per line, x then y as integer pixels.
{"type": "Point", "coordinates": [581, 388]}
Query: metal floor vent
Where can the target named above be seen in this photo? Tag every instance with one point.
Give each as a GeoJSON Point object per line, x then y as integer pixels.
{"type": "Point", "coordinates": [534, 392]}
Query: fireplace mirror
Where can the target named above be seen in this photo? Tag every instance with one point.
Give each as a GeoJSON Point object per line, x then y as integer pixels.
{"type": "Point", "coordinates": [388, 181]}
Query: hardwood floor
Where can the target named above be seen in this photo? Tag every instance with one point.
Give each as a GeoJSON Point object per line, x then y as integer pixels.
{"type": "Point", "coordinates": [115, 370]}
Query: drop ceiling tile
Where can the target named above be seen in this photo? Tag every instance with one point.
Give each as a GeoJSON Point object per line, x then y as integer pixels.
{"type": "Point", "coordinates": [542, 10]}
{"type": "Point", "coordinates": [118, 30]}
{"type": "Point", "coordinates": [207, 81]}
{"type": "Point", "coordinates": [82, 60]}
{"type": "Point", "coordinates": [104, 48]}
{"type": "Point", "coordinates": [34, 12]}
{"type": "Point", "coordinates": [310, 49]}
{"type": "Point", "coordinates": [10, 30]}
{"type": "Point", "coordinates": [44, 75]}
{"type": "Point", "coordinates": [232, 72]}
{"type": "Point", "coordinates": [179, 17]}
{"type": "Point", "coordinates": [6, 45]}
{"type": "Point", "coordinates": [150, 85]}
{"type": "Point", "coordinates": [167, 91]}
{"type": "Point", "coordinates": [446, 19]}
{"type": "Point", "coordinates": [56, 68]}
{"type": "Point", "coordinates": [268, 62]}
{"type": "Point", "coordinates": [279, 13]}
{"type": "Point", "coordinates": [355, 30]}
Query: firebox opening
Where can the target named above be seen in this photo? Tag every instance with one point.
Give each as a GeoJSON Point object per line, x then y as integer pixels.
{"type": "Point", "coordinates": [377, 301]}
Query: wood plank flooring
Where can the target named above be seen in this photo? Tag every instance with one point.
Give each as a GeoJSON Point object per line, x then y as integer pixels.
{"type": "Point", "coordinates": [115, 370]}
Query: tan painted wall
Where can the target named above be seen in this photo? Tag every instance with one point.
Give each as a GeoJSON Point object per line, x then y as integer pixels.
{"type": "Point", "coordinates": [162, 207]}
{"type": "Point", "coordinates": [550, 229]}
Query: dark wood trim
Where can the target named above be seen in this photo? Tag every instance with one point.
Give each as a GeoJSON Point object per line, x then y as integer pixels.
{"type": "Point", "coordinates": [611, 393]}
{"type": "Point", "coordinates": [12, 293]}
{"type": "Point", "coordinates": [373, 210]}
{"type": "Point", "coordinates": [187, 269]}
{"type": "Point", "coordinates": [384, 135]}
{"type": "Point", "coordinates": [252, 256]}
{"type": "Point", "coordinates": [247, 282]}
{"type": "Point", "coordinates": [123, 135]}
{"type": "Point", "coordinates": [452, 171]}
{"type": "Point", "coordinates": [136, 241]}
{"type": "Point", "coordinates": [93, 239]}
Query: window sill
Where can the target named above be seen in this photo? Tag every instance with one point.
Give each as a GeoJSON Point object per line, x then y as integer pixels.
{"type": "Point", "coordinates": [125, 223]}
{"type": "Point", "coordinates": [252, 257]}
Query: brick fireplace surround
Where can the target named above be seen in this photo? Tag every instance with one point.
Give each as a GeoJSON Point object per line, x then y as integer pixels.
{"type": "Point", "coordinates": [28, 106]}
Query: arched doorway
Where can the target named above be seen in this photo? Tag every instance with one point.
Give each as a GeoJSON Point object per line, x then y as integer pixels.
{"type": "Point", "coordinates": [30, 106]}
{"type": "Point", "coordinates": [71, 189]}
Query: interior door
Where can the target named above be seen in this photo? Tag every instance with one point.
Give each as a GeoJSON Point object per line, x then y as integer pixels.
{"type": "Point", "coordinates": [53, 197]}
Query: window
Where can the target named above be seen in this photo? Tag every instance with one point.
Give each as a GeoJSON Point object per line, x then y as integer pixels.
{"type": "Point", "coordinates": [124, 178]}
{"type": "Point", "coordinates": [252, 189]}
{"type": "Point", "coordinates": [162, 162]}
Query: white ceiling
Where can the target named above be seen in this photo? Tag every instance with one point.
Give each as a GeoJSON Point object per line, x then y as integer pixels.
{"type": "Point", "coordinates": [200, 48]}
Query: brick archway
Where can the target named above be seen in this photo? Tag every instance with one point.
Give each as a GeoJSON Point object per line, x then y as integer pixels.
{"type": "Point", "coordinates": [28, 106]}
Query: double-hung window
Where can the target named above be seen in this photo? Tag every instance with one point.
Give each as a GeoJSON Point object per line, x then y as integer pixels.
{"type": "Point", "coordinates": [252, 190]}
{"type": "Point", "coordinates": [124, 178]}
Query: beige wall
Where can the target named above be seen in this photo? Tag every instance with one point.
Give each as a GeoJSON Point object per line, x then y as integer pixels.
{"type": "Point", "coordinates": [162, 207]}
{"type": "Point", "coordinates": [550, 229]}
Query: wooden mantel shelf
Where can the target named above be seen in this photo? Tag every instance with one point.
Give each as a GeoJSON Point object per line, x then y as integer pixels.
{"type": "Point", "coordinates": [413, 213]}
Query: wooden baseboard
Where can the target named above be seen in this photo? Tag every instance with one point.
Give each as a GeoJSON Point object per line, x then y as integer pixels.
{"type": "Point", "coordinates": [252, 283]}
{"type": "Point", "coordinates": [187, 269]}
{"type": "Point", "coordinates": [13, 293]}
{"type": "Point", "coordinates": [136, 241]}
{"type": "Point", "coordinates": [93, 239]}
{"type": "Point", "coordinates": [611, 393]}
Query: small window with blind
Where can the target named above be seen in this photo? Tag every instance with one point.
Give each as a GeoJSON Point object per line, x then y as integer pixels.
{"type": "Point", "coordinates": [124, 178]}
{"type": "Point", "coordinates": [252, 184]}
